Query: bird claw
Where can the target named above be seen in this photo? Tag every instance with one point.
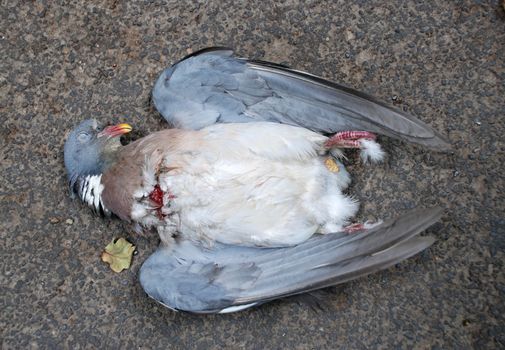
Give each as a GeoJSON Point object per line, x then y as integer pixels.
{"type": "Point", "coordinates": [358, 227]}
{"type": "Point", "coordinates": [364, 140]}
{"type": "Point", "coordinates": [349, 139]}
{"type": "Point", "coordinates": [352, 228]}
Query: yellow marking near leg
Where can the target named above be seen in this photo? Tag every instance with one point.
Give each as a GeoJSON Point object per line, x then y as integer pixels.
{"type": "Point", "coordinates": [332, 165]}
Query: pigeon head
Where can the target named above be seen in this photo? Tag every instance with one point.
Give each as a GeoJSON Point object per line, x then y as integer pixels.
{"type": "Point", "coordinates": [89, 150]}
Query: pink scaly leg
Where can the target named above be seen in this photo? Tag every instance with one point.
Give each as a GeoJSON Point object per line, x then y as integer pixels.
{"type": "Point", "coordinates": [352, 228]}
{"type": "Point", "coordinates": [363, 140]}
{"type": "Point", "coordinates": [358, 227]}
{"type": "Point", "coordinates": [349, 139]}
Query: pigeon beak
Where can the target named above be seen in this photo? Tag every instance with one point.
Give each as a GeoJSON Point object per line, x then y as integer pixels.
{"type": "Point", "coordinates": [116, 130]}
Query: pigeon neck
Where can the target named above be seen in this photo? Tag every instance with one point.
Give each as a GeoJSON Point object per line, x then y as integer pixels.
{"type": "Point", "coordinates": [109, 154]}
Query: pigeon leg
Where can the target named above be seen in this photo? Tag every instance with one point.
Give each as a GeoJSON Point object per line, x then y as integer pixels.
{"type": "Point", "coordinates": [349, 139]}
{"type": "Point", "coordinates": [357, 227]}
{"type": "Point", "coordinates": [364, 140]}
{"type": "Point", "coordinates": [352, 228]}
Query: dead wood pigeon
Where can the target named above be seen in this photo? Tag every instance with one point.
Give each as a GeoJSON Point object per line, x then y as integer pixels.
{"type": "Point", "coordinates": [248, 212]}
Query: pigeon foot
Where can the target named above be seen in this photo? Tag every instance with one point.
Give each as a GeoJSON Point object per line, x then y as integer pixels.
{"type": "Point", "coordinates": [354, 228]}
{"type": "Point", "coordinates": [357, 227]}
{"type": "Point", "coordinates": [349, 139]}
{"type": "Point", "coordinates": [364, 140]}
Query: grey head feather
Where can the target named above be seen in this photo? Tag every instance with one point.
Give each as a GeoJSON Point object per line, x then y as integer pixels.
{"type": "Point", "coordinates": [82, 152]}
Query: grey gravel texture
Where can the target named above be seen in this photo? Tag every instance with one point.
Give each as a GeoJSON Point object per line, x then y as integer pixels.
{"type": "Point", "coordinates": [444, 61]}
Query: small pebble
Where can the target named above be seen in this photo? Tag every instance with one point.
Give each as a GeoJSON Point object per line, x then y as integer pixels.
{"type": "Point", "coordinates": [397, 99]}
{"type": "Point", "coordinates": [69, 221]}
{"type": "Point", "coordinates": [54, 220]}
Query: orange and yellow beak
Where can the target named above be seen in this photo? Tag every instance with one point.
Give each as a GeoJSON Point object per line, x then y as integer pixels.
{"type": "Point", "coordinates": [116, 130]}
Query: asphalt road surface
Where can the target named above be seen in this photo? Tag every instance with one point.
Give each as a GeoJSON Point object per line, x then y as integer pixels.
{"type": "Point", "coordinates": [444, 61]}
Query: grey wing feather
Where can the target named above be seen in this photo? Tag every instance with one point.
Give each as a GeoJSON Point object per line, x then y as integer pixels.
{"type": "Point", "coordinates": [213, 86]}
{"type": "Point", "coordinates": [191, 278]}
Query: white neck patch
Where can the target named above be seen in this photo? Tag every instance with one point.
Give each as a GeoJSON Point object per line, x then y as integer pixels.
{"type": "Point", "coordinates": [91, 193]}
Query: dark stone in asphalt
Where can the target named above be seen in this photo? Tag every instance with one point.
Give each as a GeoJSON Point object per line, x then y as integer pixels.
{"type": "Point", "coordinates": [443, 61]}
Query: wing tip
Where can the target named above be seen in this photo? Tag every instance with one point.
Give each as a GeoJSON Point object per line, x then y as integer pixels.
{"type": "Point", "coordinates": [413, 246]}
{"type": "Point", "coordinates": [438, 142]}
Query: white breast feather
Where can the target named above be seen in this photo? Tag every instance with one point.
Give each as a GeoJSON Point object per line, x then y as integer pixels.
{"type": "Point", "coordinates": [263, 184]}
{"type": "Point", "coordinates": [268, 140]}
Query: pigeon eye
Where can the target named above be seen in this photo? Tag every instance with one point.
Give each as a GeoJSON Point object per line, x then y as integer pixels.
{"type": "Point", "coordinates": [83, 137]}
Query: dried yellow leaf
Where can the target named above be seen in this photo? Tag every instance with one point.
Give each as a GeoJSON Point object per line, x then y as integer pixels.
{"type": "Point", "coordinates": [118, 254]}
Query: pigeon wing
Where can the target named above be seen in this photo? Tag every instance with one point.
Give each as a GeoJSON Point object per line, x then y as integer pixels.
{"type": "Point", "coordinates": [213, 86]}
{"type": "Point", "coordinates": [228, 278]}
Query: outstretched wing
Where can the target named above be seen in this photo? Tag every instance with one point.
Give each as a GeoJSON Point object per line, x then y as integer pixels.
{"type": "Point", "coordinates": [229, 278]}
{"type": "Point", "coordinates": [213, 86]}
